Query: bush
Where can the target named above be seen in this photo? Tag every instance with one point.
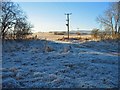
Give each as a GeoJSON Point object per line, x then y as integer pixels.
{"type": "Point", "coordinates": [78, 33]}
{"type": "Point", "coordinates": [59, 33]}
{"type": "Point", "coordinates": [95, 33]}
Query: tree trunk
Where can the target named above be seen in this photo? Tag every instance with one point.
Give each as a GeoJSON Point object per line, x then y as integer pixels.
{"type": "Point", "coordinates": [115, 28]}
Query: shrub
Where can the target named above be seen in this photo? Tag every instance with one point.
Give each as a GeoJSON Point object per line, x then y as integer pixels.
{"type": "Point", "coordinates": [59, 33]}
{"type": "Point", "coordinates": [95, 33]}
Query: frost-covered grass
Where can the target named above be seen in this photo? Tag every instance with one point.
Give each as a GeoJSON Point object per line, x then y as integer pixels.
{"type": "Point", "coordinates": [27, 64]}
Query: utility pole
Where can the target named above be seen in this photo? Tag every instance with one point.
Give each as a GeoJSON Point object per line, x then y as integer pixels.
{"type": "Point", "coordinates": [68, 14]}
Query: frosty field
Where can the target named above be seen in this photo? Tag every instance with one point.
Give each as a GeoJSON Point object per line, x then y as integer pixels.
{"type": "Point", "coordinates": [27, 64]}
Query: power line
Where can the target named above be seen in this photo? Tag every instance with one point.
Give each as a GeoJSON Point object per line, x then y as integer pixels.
{"type": "Point", "coordinates": [68, 14]}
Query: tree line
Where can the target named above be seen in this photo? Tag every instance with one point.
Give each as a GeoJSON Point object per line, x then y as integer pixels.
{"type": "Point", "coordinates": [13, 22]}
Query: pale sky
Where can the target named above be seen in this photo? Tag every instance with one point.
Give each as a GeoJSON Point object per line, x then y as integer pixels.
{"type": "Point", "coordinates": [50, 16]}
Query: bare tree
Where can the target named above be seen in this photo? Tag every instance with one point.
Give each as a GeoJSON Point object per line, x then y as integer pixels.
{"type": "Point", "coordinates": [13, 19]}
{"type": "Point", "coordinates": [8, 17]}
{"type": "Point", "coordinates": [111, 18]}
{"type": "Point", "coordinates": [116, 15]}
{"type": "Point", "coordinates": [22, 28]}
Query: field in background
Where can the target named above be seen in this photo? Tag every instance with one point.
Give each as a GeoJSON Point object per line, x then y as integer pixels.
{"type": "Point", "coordinates": [52, 36]}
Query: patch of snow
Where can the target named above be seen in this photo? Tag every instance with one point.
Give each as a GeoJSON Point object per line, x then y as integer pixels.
{"type": "Point", "coordinates": [10, 83]}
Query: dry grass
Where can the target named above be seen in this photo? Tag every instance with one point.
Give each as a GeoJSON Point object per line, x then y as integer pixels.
{"type": "Point", "coordinates": [51, 36]}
